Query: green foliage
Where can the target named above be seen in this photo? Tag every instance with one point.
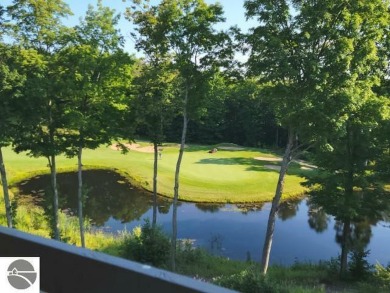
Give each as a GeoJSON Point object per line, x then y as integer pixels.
{"type": "Point", "coordinates": [32, 219]}
{"type": "Point", "coordinates": [300, 277]}
{"type": "Point", "coordinates": [38, 23]}
{"type": "Point", "coordinates": [333, 267]}
{"type": "Point", "coordinates": [148, 245]}
{"type": "Point", "coordinates": [248, 281]}
{"type": "Point", "coordinates": [70, 228]}
{"type": "Point", "coordinates": [152, 107]}
{"type": "Point", "coordinates": [198, 262]}
{"type": "Point", "coordinates": [382, 274]}
{"type": "Point", "coordinates": [93, 75]}
{"type": "Point", "coordinates": [359, 267]}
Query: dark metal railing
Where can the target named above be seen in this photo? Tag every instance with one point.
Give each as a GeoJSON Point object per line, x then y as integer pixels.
{"type": "Point", "coordinates": [66, 268]}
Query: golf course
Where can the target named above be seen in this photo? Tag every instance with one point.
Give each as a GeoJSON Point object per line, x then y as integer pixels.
{"type": "Point", "coordinates": [232, 174]}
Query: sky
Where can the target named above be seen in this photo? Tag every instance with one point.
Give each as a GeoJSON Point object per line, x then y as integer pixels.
{"type": "Point", "coordinates": [234, 14]}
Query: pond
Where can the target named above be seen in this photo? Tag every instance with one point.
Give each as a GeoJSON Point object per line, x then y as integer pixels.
{"type": "Point", "coordinates": [235, 231]}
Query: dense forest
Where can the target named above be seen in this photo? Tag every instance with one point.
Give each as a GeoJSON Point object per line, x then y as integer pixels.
{"type": "Point", "coordinates": [314, 84]}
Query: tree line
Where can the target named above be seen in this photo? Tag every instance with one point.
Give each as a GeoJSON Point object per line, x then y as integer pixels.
{"type": "Point", "coordinates": [315, 80]}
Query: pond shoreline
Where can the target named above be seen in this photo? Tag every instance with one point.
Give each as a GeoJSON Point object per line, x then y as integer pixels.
{"type": "Point", "coordinates": [137, 184]}
{"type": "Point", "coordinates": [227, 176]}
{"type": "Point", "coordinates": [114, 206]}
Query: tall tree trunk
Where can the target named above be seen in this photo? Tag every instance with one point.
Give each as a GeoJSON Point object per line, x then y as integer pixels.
{"type": "Point", "coordinates": [80, 194]}
{"type": "Point", "coordinates": [53, 173]}
{"type": "Point", "coordinates": [176, 188]}
{"type": "Point", "coordinates": [53, 176]}
{"type": "Point", "coordinates": [275, 204]}
{"type": "Point", "coordinates": [4, 182]}
{"type": "Point", "coordinates": [155, 169]}
{"type": "Point", "coordinates": [345, 247]}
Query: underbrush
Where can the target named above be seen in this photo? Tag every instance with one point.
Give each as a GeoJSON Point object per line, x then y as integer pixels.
{"type": "Point", "coordinates": [297, 278]}
{"type": "Point", "coordinates": [33, 219]}
{"type": "Point", "coordinates": [147, 244]}
{"type": "Point", "coordinates": [246, 276]}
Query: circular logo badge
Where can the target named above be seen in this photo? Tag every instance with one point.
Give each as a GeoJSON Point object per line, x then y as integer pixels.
{"type": "Point", "coordinates": [21, 274]}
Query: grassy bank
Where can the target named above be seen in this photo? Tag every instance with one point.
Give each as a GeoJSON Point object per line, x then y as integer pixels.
{"type": "Point", "coordinates": [231, 175]}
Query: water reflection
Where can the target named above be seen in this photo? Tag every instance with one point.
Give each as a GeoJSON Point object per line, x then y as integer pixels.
{"type": "Point", "coordinates": [211, 208]}
{"type": "Point", "coordinates": [288, 209]}
{"type": "Point", "coordinates": [318, 218]}
{"type": "Point", "coordinates": [355, 213]}
{"type": "Point", "coordinates": [236, 231]}
{"type": "Point", "coordinates": [108, 195]}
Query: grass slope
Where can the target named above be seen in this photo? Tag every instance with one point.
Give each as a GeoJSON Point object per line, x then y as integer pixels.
{"type": "Point", "coordinates": [233, 176]}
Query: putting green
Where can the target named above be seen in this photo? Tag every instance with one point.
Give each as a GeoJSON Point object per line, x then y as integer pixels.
{"type": "Point", "coordinates": [234, 174]}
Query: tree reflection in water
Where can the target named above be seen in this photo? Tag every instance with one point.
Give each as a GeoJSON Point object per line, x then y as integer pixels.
{"type": "Point", "coordinates": [108, 195]}
{"type": "Point", "coordinates": [212, 208]}
{"type": "Point", "coordinates": [288, 209]}
{"type": "Point", "coordinates": [112, 200]}
{"type": "Point", "coordinates": [355, 215]}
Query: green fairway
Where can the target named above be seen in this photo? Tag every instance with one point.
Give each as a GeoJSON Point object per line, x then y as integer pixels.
{"type": "Point", "coordinates": [229, 175]}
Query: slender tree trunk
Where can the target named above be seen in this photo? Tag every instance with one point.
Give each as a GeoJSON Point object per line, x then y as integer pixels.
{"type": "Point", "coordinates": [80, 194]}
{"type": "Point", "coordinates": [345, 247]}
{"type": "Point", "coordinates": [53, 173]}
{"type": "Point", "coordinates": [275, 204]}
{"type": "Point", "coordinates": [4, 182]}
{"type": "Point", "coordinates": [176, 188]}
{"type": "Point", "coordinates": [155, 170]}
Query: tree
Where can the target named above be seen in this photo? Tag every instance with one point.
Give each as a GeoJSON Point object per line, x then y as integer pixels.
{"type": "Point", "coordinates": [94, 75]}
{"type": "Point", "coordinates": [250, 119]}
{"type": "Point", "coordinates": [184, 28]}
{"type": "Point", "coordinates": [11, 81]}
{"type": "Point", "coordinates": [153, 87]}
{"type": "Point", "coordinates": [153, 108]}
{"type": "Point", "coordinates": [37, 29]}
{"type": "Point", "coordinates": [2, 12]}
{"type": "Point", "coordinates": [348, 188]}
{"type": "Point", "coordinates": [316, 58]}
{"type": "Point", "coordinates": [6, 80]}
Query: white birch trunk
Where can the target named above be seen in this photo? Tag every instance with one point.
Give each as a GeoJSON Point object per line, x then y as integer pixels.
{"type": "Point", "coordinates": [275, 204]}
{"type": "Point", "coordinates": [176, 188]}
{"type": "Point", "coordinates": [155, 170]}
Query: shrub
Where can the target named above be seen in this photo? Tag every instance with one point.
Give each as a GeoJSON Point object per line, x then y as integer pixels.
{"type": "Point", "coordinates": [382, 274]}
{"type": "Point", "coordinates": [247, 281]}
{"type": "Point", "coordinates": [359, 267]}
{"type": "Point", "coordinates": [187, 253]}
{"type": "Point", "coordinates": [148, 245]}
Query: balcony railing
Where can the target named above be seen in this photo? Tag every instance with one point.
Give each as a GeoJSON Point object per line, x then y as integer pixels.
{"type": "Point", "coordinates": [66, 268]}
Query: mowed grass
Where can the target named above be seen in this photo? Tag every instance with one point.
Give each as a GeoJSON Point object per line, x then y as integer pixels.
{"type": "Point", "coordinates": [232, 176]}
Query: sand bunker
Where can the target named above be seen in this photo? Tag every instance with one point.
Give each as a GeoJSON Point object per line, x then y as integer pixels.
{"type": "Point", "coordinates": [303, 165]}
{"type": "Point", "coordinates": [134, 147]}
{"type": "Point", "coordinates": [230, 148]}
{"type": "Point", "coordinates": [272, 167]}
{"type": "Point", "coordinates": [269, 159]}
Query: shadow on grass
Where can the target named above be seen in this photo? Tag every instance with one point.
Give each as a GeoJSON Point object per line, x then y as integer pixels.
{"type": "Point", "coordinates": [206, 148]}
{"type": "Point", "coordinates": [230, 161]}
{"type": "Point", "coordinates": [253, 164]}
{"type": "Point", "coordinates": [257, 165]}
